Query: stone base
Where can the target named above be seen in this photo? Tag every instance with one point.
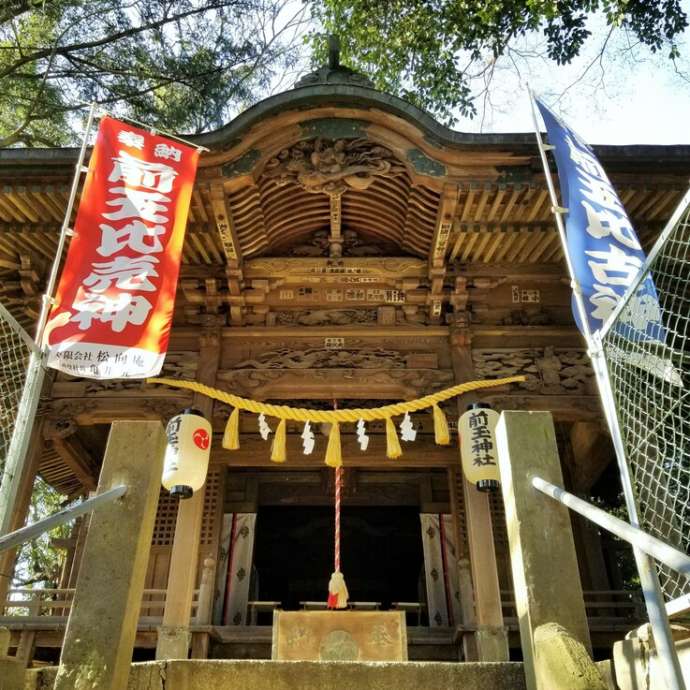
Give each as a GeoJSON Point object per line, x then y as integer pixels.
{"type": "Point", "coordinates": [11, 674]}
{"type": "Point", "coordinates": [339, 636]}
{"type": "Point", "coordinates": [310, 675]}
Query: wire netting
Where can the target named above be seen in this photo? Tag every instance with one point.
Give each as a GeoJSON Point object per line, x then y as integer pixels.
{"type": "Point", "coordinates": [650, 377]}
{"type": "Point", "coordinates": [14, 360]}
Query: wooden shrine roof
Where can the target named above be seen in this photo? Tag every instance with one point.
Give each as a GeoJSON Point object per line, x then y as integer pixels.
{"type": "Point", "coordinates": [333, 206]}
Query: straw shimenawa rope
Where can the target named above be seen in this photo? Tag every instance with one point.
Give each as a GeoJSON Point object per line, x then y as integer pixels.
{"type": "Point", "coordinates": [333, 458]}
{"type": "Point", "coordinates": [301, 414]}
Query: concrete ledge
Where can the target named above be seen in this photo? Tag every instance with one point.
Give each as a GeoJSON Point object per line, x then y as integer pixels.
{"type": "Point", "coordinates": [309, 675]}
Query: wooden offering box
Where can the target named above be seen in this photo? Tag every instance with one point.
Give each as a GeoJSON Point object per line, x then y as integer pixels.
{"type": "Point", "coordinates": [339, 636]}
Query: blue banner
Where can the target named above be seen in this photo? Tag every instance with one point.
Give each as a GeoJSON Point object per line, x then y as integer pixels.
{"type": "Point", "coordinates": [602, 244]}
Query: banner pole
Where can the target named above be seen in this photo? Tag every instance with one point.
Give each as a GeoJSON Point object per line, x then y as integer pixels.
{"type": "Point", "coordinates": [150, 128]}
{"type": "Point", "coordinates": [649, 580]}
{"type": "Point", "coordinates": [65, 232]}
{"type": "Point", "coordinates": [15, 462]}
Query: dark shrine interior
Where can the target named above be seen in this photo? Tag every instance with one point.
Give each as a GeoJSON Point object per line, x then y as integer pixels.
{"type": "Point", "coordinates": [381, 554]}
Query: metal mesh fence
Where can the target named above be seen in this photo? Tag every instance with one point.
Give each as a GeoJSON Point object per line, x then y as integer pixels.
{"type": "Point", "coordinates": [14, 359]}
{"type": "Point", "coordinates": [650, 377]}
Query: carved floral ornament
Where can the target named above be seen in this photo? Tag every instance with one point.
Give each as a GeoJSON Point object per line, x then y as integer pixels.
{"type": "Point", "coordinates": [332, 167]}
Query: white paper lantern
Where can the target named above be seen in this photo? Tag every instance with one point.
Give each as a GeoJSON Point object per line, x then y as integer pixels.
{"type": "Point", "coordinates": [477, 429]}
{"type": "Point", "coordinates": [186, 456]}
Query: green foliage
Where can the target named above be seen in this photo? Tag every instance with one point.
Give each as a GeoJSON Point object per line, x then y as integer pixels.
{"type": "Point", "coordinates": [181, 65]}
{"type": "Point", "coordinates": [189, 65]}
{"type": "Point", "coordinates": [39, 562]}
{"type": "Point", "coordinates": [614, 504]}
{"type": "Point", "coordinates": [429, 51]}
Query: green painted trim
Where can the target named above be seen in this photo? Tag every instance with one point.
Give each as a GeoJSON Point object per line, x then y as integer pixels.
{"type": "Point", "coordinates": [242, 165]}
{"type": "Point", "coordinates": [425, 165]}
{"type": "Point", "coordinates": [334, 128]}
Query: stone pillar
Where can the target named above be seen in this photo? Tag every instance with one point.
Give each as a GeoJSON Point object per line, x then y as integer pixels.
{"type": "Point", "coordinates": [174, 636]}
{"type": "Point", "coordinates": [542, 550]}
{"type": "Point", "coordinates": [97, 651]}
{"type": "Point", "coordinates": [491, 638]}
{"type": "Point", "coordinates": [33, 458]}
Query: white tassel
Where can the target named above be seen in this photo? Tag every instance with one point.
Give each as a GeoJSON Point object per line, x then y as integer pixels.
{"type": "Point", "coordinates": [264, 429]}
{"type": "Point", "coordinates": [308, 441]}
{"type": "Point", "coordinates": [407, 430]}
{"type": "Point", "coordinates": [362, 437]}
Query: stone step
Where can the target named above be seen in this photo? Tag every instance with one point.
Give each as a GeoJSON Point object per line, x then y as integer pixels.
{"type": "Point", "coordinates": [310, 675]}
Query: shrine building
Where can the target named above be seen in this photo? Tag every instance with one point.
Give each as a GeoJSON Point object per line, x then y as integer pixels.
{"type": "Point", "coordinates": [343, 249]}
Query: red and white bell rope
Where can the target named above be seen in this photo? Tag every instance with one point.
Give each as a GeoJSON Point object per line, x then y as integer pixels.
{"type": "Point", "coordinates": [337, 589]}
{"type": "Point", "coordinates": [338, 498]}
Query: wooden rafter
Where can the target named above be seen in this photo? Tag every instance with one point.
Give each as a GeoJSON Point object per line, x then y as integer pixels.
{"type": "Point", "coordinates": [77, 459]}
{"type": "Point", "coordinates": [222, 216]}
{"type": "Point", "coordinates": [439, 246]}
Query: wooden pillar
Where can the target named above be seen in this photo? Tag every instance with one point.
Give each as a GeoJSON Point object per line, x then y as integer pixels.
{"type": "Point", "coordinates": [469, 621]}
{"type": "Point", "coordinates": [542, 550]}
{"type": "Point", "coordinates": [33, 457]}
{"type": "Point", "coordinates": [491, 638]}
{"type": "Point", "coordinates": [97, 651]}
{"type": "Point", "coordinates": [201, 639]}
{"type": "Point", "coordinates": [174, 636]}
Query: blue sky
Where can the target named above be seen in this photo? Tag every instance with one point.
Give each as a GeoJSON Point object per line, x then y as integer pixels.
{"type": "Point", "coordinates": [631, 96]}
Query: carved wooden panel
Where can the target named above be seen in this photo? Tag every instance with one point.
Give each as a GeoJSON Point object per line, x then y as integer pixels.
{"type": "Point", "coordinates": [325, 383]}
{"type": "Point", "coordinates": [333, 167]}
{"type": "Point", "coordinates": [353, 244]}
{"type": "Point", "coordinates": [549, 370]}
{"type": "Point", "coordinates": [326, 358]}
{"type": "Point", "coordinates": [323, 317]}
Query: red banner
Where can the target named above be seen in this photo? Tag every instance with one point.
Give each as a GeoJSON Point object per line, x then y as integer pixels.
{"type": "Point", "coordinates": [114, 303]}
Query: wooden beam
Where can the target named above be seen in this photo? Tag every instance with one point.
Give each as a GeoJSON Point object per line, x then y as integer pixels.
{"type": "Point", "coordinates": [254, 452]}
{"type": "Point", "coordinates": [229, 241]}
{"type": "Point", "coordinates": [291, 269]}
{"type": "Point", "coordinates": [226, 230]}
{"type": "Point", "coordinates": [305, 384]}
{"type": "Point", "coordinates": [592, 452]}
{"type": "Point", "coordinates": [491, 637]}
{"type": "Point", "coordinates": [174, 635]}
{"type": "Point", "coordinates": [77, 458]}
{"type": "Point", "coordinates": [439, 247]}
{"type": "Point", "coordinates": [564, 408]}
{"type": "Point", "coordinates": [335, 239]}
